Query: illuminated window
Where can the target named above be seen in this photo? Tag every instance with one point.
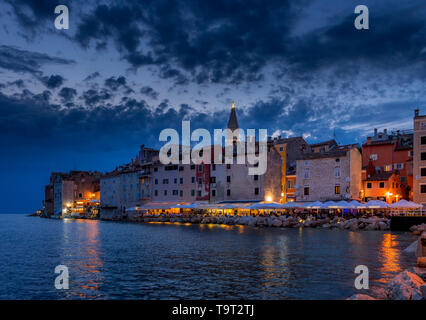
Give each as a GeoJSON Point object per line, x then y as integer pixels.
{"type": "Point", "coordinates": [373, 157]}
{"type": "Point", "coordinates": [388, 167]}
{"type": "Point", "coordinates": [337, 189]}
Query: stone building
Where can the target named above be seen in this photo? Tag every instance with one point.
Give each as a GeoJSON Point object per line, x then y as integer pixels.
{"type": "Point", "coordinates": [332, 175]}
{"type": "Point", "coordinates": [419, 158]}
{"type": "Point", "coordinates": [64, 189]}
{"type": "Point", "coordinates": [120, 189]}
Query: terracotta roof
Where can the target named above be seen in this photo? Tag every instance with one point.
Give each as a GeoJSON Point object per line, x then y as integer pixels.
{"type": "Point", "coordinates": [381, 176]}
{"type": "Point", "coordinates": [331, 142]}
{"type": "Point", "coordinates": [317, 155]}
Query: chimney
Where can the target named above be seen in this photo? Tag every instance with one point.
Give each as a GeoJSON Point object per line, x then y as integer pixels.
{"type": "Point", "coordinates": [375, 131]}
{"type": "Point", "coordinates": [416, 112]}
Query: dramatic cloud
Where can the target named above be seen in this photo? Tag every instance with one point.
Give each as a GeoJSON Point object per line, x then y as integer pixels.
{"type": "Point", "coordinates": [52, 82]}
{"type": "Point", "coordinates": [18, 60]}
{"type": "Point", "coordinates": [149, 92]}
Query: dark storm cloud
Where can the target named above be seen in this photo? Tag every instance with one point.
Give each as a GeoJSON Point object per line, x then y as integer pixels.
{"type": "Point", "coordinates": [115, 83]}
{"type": "Point", "coordinates": [216, 41]}
{"type": "Point", "coordinates": [149, 92]}
{"type": "Point", "coordinates": [52, 82]}
{"type": "Point", "coordinates": [92, 76]}
{"type": "Point", "coordinates": [18, 60]}
{"type": "Point", "coordinates": [67, 94]}
{"type": "Point", "coordinates": [396, 38]}
{"type": "Point", "coordinates": [92, 97]}
{"type": "Point", "coordinates": [31, 13]}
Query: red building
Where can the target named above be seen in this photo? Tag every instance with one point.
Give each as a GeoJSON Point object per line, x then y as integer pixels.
{"type": "Point", "coordinates": [391, 152]}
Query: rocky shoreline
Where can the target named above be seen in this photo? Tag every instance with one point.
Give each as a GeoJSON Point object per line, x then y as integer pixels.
{"type": "Point", "coordinates": [277, 221]}
{"type": "Point", "coordinates": [409, 284]}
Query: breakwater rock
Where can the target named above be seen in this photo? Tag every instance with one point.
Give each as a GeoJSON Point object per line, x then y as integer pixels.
{"type": "Point", "coordinates": [273, 221]}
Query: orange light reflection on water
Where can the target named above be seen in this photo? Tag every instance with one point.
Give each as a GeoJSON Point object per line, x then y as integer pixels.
{"type": "Point", "coordinates": [389, 256]}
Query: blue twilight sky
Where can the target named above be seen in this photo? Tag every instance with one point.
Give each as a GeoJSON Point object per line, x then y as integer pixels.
{"type": "Point", "coordinates": [87, 97]}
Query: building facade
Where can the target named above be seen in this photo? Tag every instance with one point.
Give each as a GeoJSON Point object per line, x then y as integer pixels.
{"type": "Point", "coordinates": [419, 161]}
{"type": "Point", "coordinates": [391, 152]}
{"type": "Point", "coordinates": [332, 175]}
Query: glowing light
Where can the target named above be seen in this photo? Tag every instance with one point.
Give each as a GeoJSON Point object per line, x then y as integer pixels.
{"type": "Point", "coordinates": [282, 194]}
{"type": "Point", "coordinates": [233, 105]}
{"type": "Point", "coordinates": [269, 199]}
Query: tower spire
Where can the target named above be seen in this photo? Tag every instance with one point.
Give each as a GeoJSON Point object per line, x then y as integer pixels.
{"type": "Point", "coordinates": [233, 122]}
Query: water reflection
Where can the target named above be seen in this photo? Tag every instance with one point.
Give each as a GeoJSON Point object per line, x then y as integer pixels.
{"type": "Point", "coordinates": [389, 256]}
{"type": "Point", "coordinates": [82, 255]}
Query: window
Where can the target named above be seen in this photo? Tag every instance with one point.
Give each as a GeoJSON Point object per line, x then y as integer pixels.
{"type": "Point", "coordinates": [213, 167]}
{"type": "Point", "coordinates": [192, 166]}
{"type": "Point", "coordinates": [156, 193]}
{"type": "Point", "coordinates": [228, 192]}
{"type": "Point", "coordinates": [156, 181]}
{"type": "Point", "coordinates": [381, 184]}
{"type": "Point", "coordinates": [290, 184]}
{"type": "Point", "coordinates": [423, 188]}
{"type": "Point", "coordinates": [175, 192]}
{"type": "Point", "coordinates": [181, 180]}
{"type": "Point", "coordinates": [155, 169]}
{"type": "Point", "coordinates": [212, 179]}
{"type": "Point", "coordinates": [388, 167]}
{"type": "Point", "coordinates": [369, 185]}
{"type": "Point", "coordinates": [256, 177]}
{"type": "Point", "coordinates": [399, 166]}
{"type": "Point", "coordinates": [423, 172]}
{"type": "Point", "coordinates": [337, 189]}
{"type": "Point", "coordinates": [423, 140]}
{"type": "Point", "coordinates": [228, 166]}
{"type": "Point", "coordinates": [410, 153]}
{"type": "Point", "coordinates": [192, 193]}
{"type": "Point", "coordinates": [200, 180]}
{"type": "Point", "coordinates": [165, 192]}
{"type": "Point", "coordinates": [213, 193]}
{"type": "Point", "coordinates": [423, 156]}
{"type": "Point", "coordinates": [306, 173]}
{"type": "Point", "coordinates": [373, 156]}
{"type": "Point", "coordinates": [337, 172]}
{"type": "Point", "coordinates": [200, 168]}
{"type": "Point", "coordinates": [199, 193]}
{"type": "Point", "coordinates": [165, 181]}
{"type": "Point", "coordinates": [181, 168]}
{"type": "Point", "coordinates": [175, 180]}
{"type": "Point", "coordinates": [181, 193]}
{"type": "Point", "coordinates": [256, 191]}
{"type": "Point", "coordinates": [281, 149]}
{"type": "Point", "coordinates": [403, 179]}
{"type": "Point", "coordinates": [228, 179]}
{"type": "Point", "coordinates": [306, 191]}
{"type": "Point", "coordinates": [337, 160]}
{"type": "Point", "coordinates": [192, 179]}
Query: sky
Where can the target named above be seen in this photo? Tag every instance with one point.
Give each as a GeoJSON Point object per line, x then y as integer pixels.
{"type": "Point", "coordinates": [86, 98]}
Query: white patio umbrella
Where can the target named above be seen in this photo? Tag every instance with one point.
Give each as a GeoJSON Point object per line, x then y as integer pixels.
{"type": "Point", "coordinates": [342, 204]}
{"type": "Point", "coordinates": [354, 204]}
{"type": "Point", "coordinates": [290, 205]}
{"type": "Point", "coordinates": [316, 205]}
{"type": "Point", "coordinates": [376, 204]}
{"type": "Point", "coordinates": [330, 204]}
{"type": "Point", "coordinates": [404, 204]}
